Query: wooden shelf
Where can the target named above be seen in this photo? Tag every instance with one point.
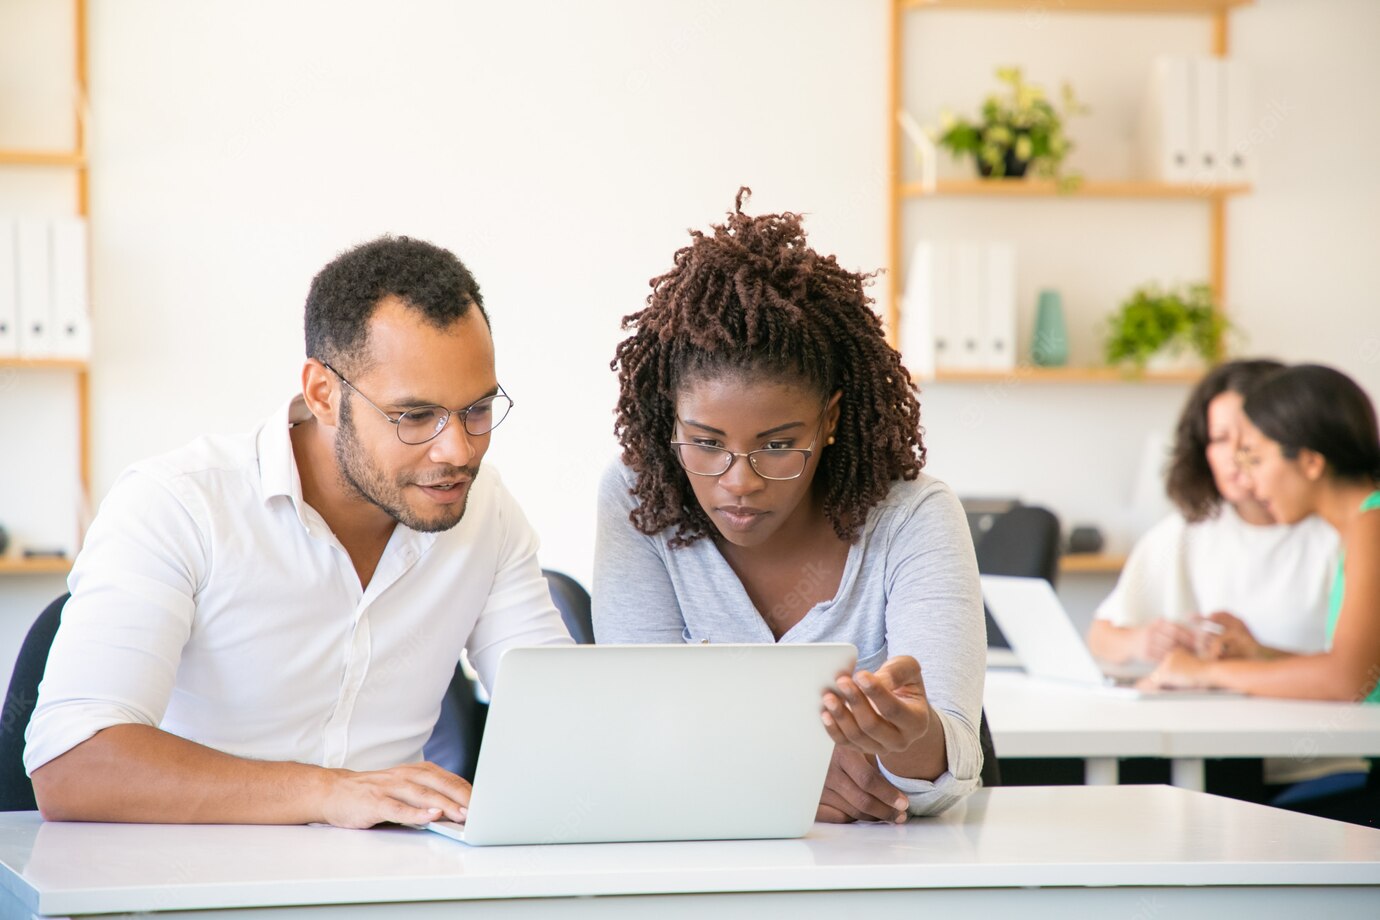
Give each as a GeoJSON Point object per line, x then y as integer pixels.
{"type": "Point", "coordinates": [18, 565]}
{"type": "Point", "coordinates": [1094, 563]}
{"type": "Point", "coordinates": [1032, 374]}
{"type": "Point", "coordinates": [70, 158]}
{"type": "Point", "coordinates": [1045, 188]}
{"type": "Point", "coordinates": [57, 364]}
{"type": "Point", "coordinates": [1082, 6]}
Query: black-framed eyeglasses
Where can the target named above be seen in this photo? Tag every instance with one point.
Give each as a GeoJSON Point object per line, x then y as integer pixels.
{"type": "Point", "coordinates": [423, 423]}
{"type": "Point", "coordinates": [775, 463]}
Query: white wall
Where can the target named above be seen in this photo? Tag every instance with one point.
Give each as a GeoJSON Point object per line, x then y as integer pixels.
{"type": "Point", "coordinates": [564, 149]}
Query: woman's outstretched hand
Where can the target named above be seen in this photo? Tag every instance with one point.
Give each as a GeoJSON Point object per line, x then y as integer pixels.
{"type": "Point", "coordinates": [879, 712]}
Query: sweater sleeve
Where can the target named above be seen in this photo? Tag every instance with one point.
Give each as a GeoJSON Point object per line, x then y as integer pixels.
{"type": "Point", "coordinates": [934, 614]}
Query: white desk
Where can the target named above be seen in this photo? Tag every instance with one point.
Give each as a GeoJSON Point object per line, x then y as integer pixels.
{"type": "Point", "coordinates": [1032, 718]}
{"type": "Point", "coordinates": [1071, 851]}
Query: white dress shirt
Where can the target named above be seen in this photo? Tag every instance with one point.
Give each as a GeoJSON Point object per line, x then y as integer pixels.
{"type": "Point", "coordinates": [211, 601]}
{"type": "Point", "coordinates": [1274, 577]}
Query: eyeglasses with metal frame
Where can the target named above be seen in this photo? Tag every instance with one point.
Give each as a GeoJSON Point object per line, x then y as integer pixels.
{"type": "Point", "coordinates": [778, 464]}
{"type": "Point", "coordinates": [423, 423]}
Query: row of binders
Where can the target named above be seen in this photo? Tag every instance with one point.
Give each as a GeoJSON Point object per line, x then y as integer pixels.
{"type": "Point", "coordinates": [1196, 124]}
{"type": "Point", "coordinates": [44, 291]}
{"type": "Point", "coordinates": [958, 311]}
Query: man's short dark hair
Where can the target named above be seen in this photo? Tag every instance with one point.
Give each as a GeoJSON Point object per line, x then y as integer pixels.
{"type": "Point", "coordinates": [345, 293]}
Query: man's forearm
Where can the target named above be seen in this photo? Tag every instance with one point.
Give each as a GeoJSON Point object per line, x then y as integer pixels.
{"type": "Point", "coordinates": [137, 773]}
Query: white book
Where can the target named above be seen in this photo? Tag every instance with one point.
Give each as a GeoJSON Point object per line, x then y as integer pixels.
{"type": "Point", "coordinates": [9, 289]}
{"type": "Point", "coordinates": [917, 312]}
{"type": "Point", "coordinates": [1207, 122]}
{"type": "Point", "coordinates": [1165, 154]}
{"type": "Point", "coordinates": [35, 288]}
{"type": "Point", "coordinates": [999, 306]}
{"type": "Point", "coordinates": [970, 348]}
{"type": "Point", "coordinates": [71, 332]}
{"type": "Point", "coordinates": [1235, 110]}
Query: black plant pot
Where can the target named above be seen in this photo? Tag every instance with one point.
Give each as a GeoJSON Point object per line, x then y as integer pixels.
{"type": "Point", "coordinates": [1015, 168]}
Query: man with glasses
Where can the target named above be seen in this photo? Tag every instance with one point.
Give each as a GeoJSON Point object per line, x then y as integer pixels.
{"type": "Point", "coordinates": [262, 629]}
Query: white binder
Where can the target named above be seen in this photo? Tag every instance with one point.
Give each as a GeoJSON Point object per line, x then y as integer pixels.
{"type": "Point", "coordinates": [35, 288]}
{"type": "Point", "coordinates": [917, 334]}
{"type": "Point", "coordinates": [1207, 120]}
{"type": "Point", "coordinates": [945, 315]}
{"type": "Point", "coordinates": [1165, 122]}
{"type": "Point", "coordinates": [9, 290]}
{"type": "Point", "coordinates": [999, 303]}
{"type": "Point", "coordinates": [1235, 108]}
{"type": "Point", "coordinates": [970, 350]}
{"type": "Point", "coordinates": [71, 329]}
{"type": "Point", "coordinates": [933, 290]}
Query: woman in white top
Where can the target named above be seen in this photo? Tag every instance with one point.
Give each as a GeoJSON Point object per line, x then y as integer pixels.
{"type": "Point", "coordinates": [1222, 558]}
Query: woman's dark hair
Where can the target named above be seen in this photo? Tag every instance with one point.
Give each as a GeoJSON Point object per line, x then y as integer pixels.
{"type": "Point", "coordinates": [752, 299]}
{"type": "Point", "coordinates": [1189, 482]}
{"type": "Point", "coordinates": [345, 293]}
{"type": "Point", "coordinates": [1323, 410]}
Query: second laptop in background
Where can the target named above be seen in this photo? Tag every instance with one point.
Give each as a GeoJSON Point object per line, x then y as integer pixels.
{"type": "Point", "coordinates": [1048, 645]}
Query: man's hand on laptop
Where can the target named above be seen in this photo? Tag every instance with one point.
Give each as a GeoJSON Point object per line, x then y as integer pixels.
{"type": "Point", "coordinates": [882, 712]}
{"type": "Point", "coordinates": [854, 790]}
{"type": "Point", "coordinates": [414, 793]}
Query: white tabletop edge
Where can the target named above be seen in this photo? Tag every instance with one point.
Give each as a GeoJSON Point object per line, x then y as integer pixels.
{"type": "Point", "coordinates": [997, 839]}
{"type": "Point", "coordinates": [328, 892]}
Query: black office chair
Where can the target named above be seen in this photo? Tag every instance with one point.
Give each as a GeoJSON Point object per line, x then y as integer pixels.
{"type": "Point", "coordinates": [454, 743]}
{"type": "Point", "coordinates": [16, 792]}
{"type": "Point", "coordinates": [1023, 542]}
{"type": "Point", "coordinates": [991, 769]}
{"type": "Point", "coordinates": [572, 600]}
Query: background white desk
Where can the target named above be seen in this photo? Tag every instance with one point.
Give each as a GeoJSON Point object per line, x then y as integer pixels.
{"type": "Point", "coordinates": [1069, 851]}
{"type": "Point", "coordinates": [1033, 718]}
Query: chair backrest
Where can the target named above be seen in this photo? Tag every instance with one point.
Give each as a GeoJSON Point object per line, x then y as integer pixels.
{"type": "Point", "coordinates": [991, 770]}
{"type": "Point", "coordinates": [454, 743]}
{"type": "Point", "coordinates": [572, 600]}
{"type": "Point", "coordinates": [16, 791]}
{"type": "Point", "coordinates": [1023, 542]}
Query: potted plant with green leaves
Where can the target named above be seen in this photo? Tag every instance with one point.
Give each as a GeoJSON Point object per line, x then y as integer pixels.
{"type": "Point", "coordinates": [1018, 132]}
{"type": "Point", "coordinates": [1166, 329]}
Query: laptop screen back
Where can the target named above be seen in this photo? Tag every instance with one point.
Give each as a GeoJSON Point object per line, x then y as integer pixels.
{"type": "Point", "coordinates": [664, 742]}
{"type": "Point", "coordinates": [1040, 632]}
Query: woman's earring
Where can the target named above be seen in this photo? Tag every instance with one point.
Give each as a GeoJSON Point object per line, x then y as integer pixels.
{"type": "Point", "coordinates": [831, 440]}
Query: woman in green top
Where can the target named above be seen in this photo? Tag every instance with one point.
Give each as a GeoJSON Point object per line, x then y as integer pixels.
{"type": "Point", "coordinates": [1310, 446]}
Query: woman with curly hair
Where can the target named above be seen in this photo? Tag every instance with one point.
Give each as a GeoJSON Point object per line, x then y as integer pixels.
{"type": "Point", "coordinates": [1311, 448]}
{"type": "Point", "coordinates": [1222, 556]}
{"type": "Point", "coordinates": [770, 490]}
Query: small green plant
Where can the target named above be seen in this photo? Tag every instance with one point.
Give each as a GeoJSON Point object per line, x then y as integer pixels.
{"type": "Point", "coordinates": [1172, 320]}
{"type": "Point", "coordinates": [1019, 131]}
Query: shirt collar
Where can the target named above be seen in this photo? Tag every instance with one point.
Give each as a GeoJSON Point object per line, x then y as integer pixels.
{"type": "Point", "coordinates": [278, 475]}
{"type": "Point", "coordinates": [277, 465]}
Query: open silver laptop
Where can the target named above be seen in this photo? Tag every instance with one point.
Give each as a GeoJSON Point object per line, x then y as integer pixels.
{"type": "Point", "coordinates": [588, 744]}
{"type": "Point", "coordinates": [1048, 645]}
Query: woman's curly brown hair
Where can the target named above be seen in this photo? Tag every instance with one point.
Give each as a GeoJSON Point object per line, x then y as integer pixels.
{"type": "Point", "coordinates": [752, 298]}
{"type": "Point", "coordinates": [1189, 482]}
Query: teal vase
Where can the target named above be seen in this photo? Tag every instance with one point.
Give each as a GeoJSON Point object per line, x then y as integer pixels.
{"type": "Point", "coordinates": [1050, 347]}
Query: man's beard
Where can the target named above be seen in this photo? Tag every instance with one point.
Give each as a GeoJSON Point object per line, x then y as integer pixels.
{"type": "Point", "coordinates": [363, 478]}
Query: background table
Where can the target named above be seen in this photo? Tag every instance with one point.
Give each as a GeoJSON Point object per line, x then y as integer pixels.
{"type": "Point", "coordinates": [1068, 851]}
{"type": "Point", "coordinates": [1035, 718]}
